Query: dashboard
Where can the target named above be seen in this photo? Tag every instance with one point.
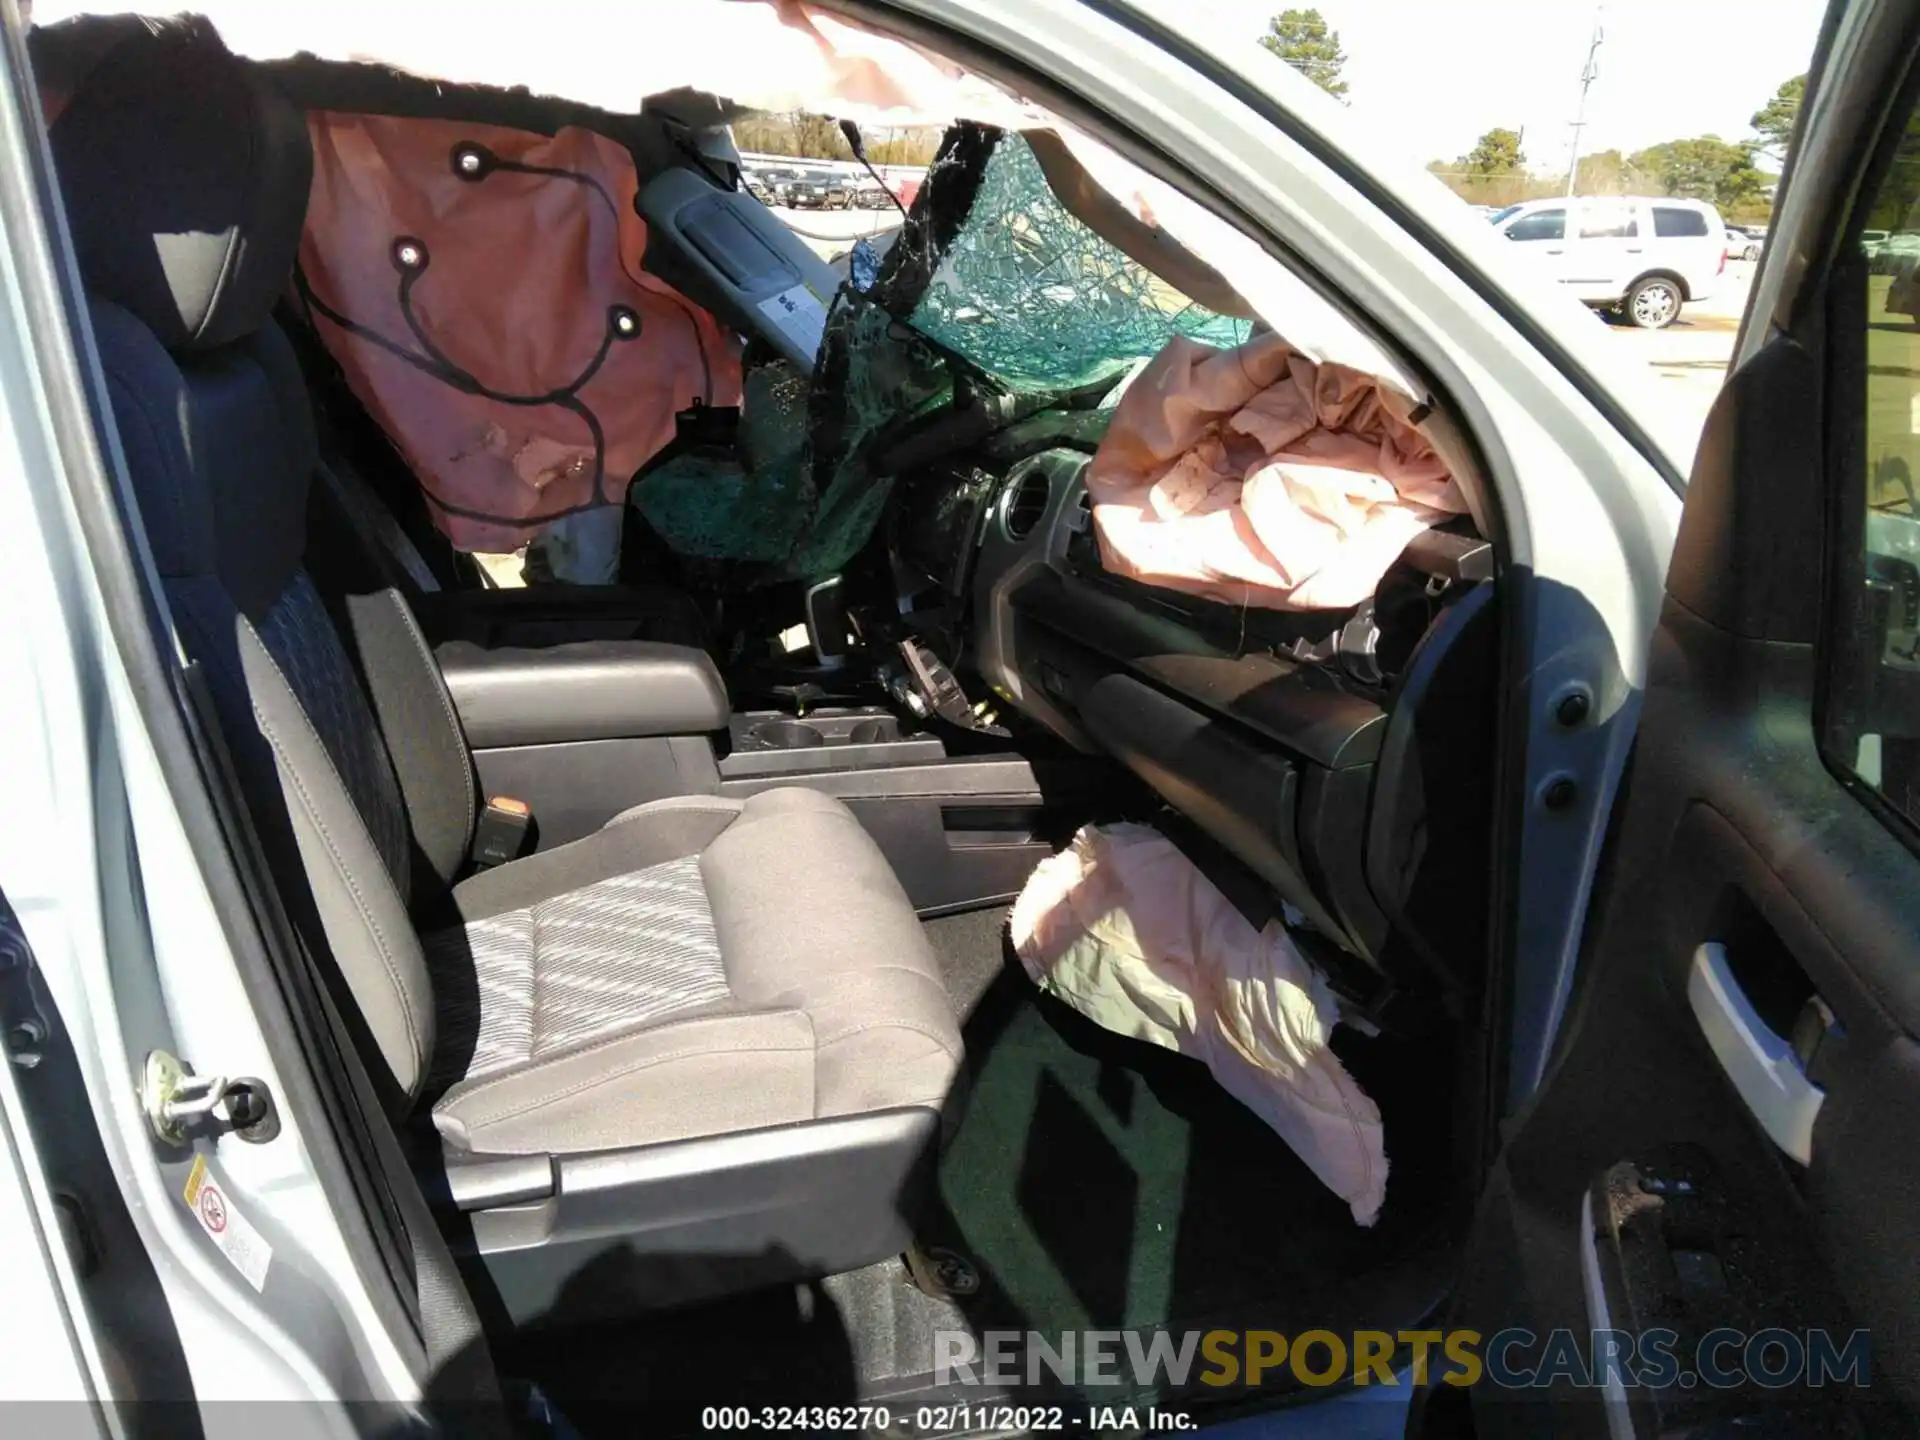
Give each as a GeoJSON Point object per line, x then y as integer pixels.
{"type": "Point", "coordinates": [1338, 764]}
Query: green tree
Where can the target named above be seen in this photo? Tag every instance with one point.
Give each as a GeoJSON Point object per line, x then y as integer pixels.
{"type": "Point", "coordinates": [1605, 172]}
{"type": "Point", "coordinates": [1774, 120]}
{"type": "Point", "coordinates": [1897, 205]}
{"type": "Point", "coordinates": [1303, 39]}
{"type": "Point", "coordinates": [1706, 168]}
{"type": "Point", "coordinates": [1496, 153]}
{"type": "Point", "coordinates": [805, 136]}
{"type": "Point", "coordinates": [1494, 172]}
{"type": "Point", "coordinates": [913, 146]}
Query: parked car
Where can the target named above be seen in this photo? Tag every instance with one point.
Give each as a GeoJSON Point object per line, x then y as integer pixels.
{"type": "Point", "coordinates": [820, 190]}
{"type": "Point", "coordinates": [696, 1091]}
{"type": "Point", "coordinates": [1872, 242]}
{"type": "Point", "coordinates": [771, 184]}
{"type": "Point", "coordinates": [1896, 254]}
{"type": "Point", "coordinates": [1742, 244]}
{"type": "Point", "coordinates": [1902, 262]}
{"type": "Point", "coordinates": [1642, 259]}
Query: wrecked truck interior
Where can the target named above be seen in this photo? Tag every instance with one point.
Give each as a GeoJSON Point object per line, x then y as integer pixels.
{"type": "Point", "coordinates": [1069, 510]}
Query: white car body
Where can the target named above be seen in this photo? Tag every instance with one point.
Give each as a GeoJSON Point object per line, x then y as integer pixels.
{"type": "Point", "coordinates": [1607, 245]}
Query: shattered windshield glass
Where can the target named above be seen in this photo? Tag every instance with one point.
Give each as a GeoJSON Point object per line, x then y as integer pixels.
{"type": "Point", "coordinates": [992, 276]}
{"type": "Point", "coordinates": [1038, 300]}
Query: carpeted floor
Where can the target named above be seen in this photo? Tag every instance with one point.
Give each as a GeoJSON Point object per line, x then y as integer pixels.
{"type": "Point", "coordinates": [972, 950]}
{"type": "Point", "coordinates": [1101, 1182]}
{"type": "Point", "coordinates": [1093, 1182]}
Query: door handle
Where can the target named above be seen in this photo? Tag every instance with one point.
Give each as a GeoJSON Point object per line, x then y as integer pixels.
{"type": "Point", "coordinates": [1762, 1065]}
{"type": "Point", "coordinates": [1554, 251]}
{"type": "Point", "coordinates": [1635, 249]}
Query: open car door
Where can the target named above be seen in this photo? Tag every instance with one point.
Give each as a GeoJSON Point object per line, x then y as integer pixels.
{"type": "Point", "coordinates": [1721, 1168]}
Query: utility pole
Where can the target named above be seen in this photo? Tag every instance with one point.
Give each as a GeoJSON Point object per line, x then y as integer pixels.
{"type": "Point", "coordinates": [1587, 77]}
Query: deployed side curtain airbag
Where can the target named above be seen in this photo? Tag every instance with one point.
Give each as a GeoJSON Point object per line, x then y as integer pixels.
{"type": "Point", "coordinates": [481, 290]}
{"type": "Point", "coordinates": [1122, 927]}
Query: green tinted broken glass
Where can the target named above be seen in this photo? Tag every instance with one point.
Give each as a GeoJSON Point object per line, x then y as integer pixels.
{"type": "Point", "coordinates": [1040, 301]}
{"type": "Point", "coordinates": [751, 508]}
{"type": "Point", "coordinates": [879, 374]}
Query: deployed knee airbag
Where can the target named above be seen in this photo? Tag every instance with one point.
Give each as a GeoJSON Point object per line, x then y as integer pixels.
{"type": "Point", "coordinates": [1125, 929]}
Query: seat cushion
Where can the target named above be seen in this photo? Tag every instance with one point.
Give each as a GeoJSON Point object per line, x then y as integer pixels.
{"type": "Point", "coordinates": [699, 966]}
{"type": "Point", "coordinates": [613, 955]}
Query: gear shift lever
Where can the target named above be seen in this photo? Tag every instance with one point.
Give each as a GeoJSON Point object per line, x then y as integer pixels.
{"type": "Point", "coordinates": [825, 608]}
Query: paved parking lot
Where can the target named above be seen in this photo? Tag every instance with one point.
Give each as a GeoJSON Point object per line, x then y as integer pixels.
{"type": "Point", "coordinates": [1689, 357]}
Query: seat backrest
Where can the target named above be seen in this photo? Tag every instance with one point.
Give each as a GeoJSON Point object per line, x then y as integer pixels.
{"type": "Point", "coordinates": [185, 176]}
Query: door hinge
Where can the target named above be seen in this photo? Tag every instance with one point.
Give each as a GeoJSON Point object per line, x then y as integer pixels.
{"type": "Point", "coordinates": [178, 1102]}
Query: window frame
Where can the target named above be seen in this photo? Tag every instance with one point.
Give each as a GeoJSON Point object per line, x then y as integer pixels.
{"type": "Point", "coordinates": [1559, 210]}
{"type": "Point", "coordinates": [1692, 216]}
{"type": "Point", "coordinates": [1843, 657]}
{"type": "Point", "coordinates": [1615, 209]}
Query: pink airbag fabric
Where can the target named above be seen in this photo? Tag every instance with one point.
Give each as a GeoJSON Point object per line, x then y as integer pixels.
{"type": "Point", "coordinates": [523, 270]}
{"type": "Point", "coordinates": [1259, 477]}
{"type": "Point", "coordinates": [1121, 926]}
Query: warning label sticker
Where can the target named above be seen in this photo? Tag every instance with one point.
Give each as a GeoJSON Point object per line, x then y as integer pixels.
{"type": "Point", "coordinates": [232, 1232]}
{"type": "Point", "coordinates": [799, 315]}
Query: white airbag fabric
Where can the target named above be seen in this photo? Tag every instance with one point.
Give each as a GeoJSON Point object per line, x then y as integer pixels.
{"type": "Point", "coordinates": [1122, 926]}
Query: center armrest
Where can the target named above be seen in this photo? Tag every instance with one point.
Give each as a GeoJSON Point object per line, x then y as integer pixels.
{"type": "Point", "coordinates": [584, 690]}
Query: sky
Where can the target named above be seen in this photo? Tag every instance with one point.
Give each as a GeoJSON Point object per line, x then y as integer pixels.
{"type": "Point", "coordinates": [1441, 72]}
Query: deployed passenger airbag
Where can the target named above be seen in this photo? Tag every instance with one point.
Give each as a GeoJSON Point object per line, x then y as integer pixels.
{"type": "Point", "coordinates": [1258, 476]}
{"type": "Point", "coordinates": [1125, 929]}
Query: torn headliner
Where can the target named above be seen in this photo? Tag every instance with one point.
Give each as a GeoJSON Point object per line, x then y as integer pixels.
{"type": "Point", "coordinates": [780, 56]}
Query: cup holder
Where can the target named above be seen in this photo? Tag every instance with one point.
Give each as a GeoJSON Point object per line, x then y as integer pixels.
{"type": "Point", "coordinates": [787, 735]}
{"type": "Point", "coordinates": [873, 732]}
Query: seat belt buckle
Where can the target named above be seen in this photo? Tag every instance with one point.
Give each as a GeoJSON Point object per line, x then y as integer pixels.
{"type": "Point", "coordinates": [501, 833]}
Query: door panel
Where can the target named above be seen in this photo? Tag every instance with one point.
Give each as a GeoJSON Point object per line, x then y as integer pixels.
{"type": "Point", "coordinates": [1763, 874]}
{"type": "Point", "coordinates": [1541, 238]}
{"type": "Point", "coordinates": [1604, 246]}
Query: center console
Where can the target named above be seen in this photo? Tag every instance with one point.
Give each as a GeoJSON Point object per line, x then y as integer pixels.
{"type": "Point", "coordinates": [581, 731]}
{"type": "Point", "coordinates": [774, 743]}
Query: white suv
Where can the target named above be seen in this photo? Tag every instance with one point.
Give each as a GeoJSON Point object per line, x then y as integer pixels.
{"type": "Point", "coordinates": [1640, 258]}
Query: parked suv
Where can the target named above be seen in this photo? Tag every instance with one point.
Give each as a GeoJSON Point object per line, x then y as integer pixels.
{"type": "Point", "coordinates": [820, 190]}
{"type": "Point", "coordinates": [1639, 258]}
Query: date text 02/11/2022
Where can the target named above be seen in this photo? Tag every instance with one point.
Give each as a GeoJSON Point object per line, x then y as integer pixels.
{"type": "Point", "coordinates": [942, 1419]}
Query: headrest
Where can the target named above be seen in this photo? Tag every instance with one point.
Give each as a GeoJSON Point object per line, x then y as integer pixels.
{"type": "Point", "coordinates": [185, 176]}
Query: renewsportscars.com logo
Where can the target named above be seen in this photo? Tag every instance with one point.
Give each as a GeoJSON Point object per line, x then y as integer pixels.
{"type": "Point", "coordinates": [1512, 1359]}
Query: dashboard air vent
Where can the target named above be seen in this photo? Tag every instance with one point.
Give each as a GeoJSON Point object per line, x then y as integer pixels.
{"type": "Point", "coordinates": [1026, 502]}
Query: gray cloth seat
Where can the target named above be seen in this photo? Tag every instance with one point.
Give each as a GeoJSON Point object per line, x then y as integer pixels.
{"type": "Point", "coordinates": [710, 965]}
{"type": "Point", "coordinates": [700, 968]}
